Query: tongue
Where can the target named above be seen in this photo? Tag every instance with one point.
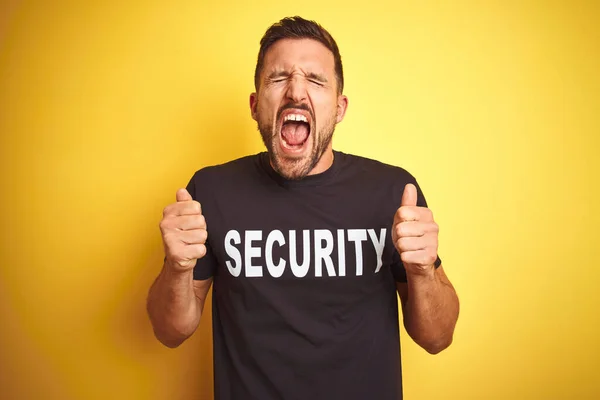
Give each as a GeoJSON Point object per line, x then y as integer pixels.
{"type": "Point", "coordinates": [294, 133]}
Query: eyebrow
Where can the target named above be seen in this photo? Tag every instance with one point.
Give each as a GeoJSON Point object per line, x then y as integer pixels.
{"type": "Point", "coordinates": [278, 74]}
{"type": "Point", "coordinates": [317, 77]}
{"type": "Point", "coordinates": [285, 74]}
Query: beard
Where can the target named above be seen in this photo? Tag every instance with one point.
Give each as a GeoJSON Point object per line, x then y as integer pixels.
{"type": "Point", "coordinates": [296, 168]}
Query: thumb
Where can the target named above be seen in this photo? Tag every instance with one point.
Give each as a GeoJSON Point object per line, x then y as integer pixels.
{"type": "Point", "coordinates": [183, 195]}
{"type": "Point", "coordinates": [409, 197]}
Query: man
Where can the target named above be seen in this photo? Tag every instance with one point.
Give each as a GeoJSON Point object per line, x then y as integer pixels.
{"type": "Point", "coordinates": [306, 247]}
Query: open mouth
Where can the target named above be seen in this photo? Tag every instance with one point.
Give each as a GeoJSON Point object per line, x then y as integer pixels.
{"type": "Point", "coordinates": [295, 130]}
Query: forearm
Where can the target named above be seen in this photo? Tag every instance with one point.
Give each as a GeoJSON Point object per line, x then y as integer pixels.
{"type": "Point", "coordinates": [431, 311]}
{"type": "Point", "coordinates": [173, 307]}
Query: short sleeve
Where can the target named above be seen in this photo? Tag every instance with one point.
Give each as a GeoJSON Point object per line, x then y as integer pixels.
{"type": "Point", "coordinates": [206, 266]}
{"type": "Point", "coordinates": [397, 267]}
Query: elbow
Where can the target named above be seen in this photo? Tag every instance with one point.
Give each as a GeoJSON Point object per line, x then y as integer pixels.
{"type": "Point", "coordinates": [170, 340]}
{"type": "Point", "coordinates": [171, 343]}
{"type": "Point", "coordinates": [436, 346]}
{"type": "Point", "coordinates": [172, 331]}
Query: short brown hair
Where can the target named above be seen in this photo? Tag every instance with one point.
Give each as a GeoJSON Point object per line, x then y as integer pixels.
{"type": "Point", "coordinates": [299, 28]}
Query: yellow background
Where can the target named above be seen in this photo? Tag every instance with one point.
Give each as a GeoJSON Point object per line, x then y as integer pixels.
{"type": "Point", "coordinates": [107, 107]}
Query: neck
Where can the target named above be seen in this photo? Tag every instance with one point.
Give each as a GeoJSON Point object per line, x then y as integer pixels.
{"type": "Point", "coordinates": [323, 164]}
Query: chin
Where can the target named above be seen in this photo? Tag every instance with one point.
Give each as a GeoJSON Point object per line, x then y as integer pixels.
{"type": "Point", "coordinates": [292, 166]}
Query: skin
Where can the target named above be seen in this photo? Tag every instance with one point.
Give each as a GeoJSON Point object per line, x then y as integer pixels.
{"type": "Point", "coordinates": [298, 76]}
{"type": "Point", "coordinates": [175, 300]}
{"type": "Point", "coordinates": [430, 305]}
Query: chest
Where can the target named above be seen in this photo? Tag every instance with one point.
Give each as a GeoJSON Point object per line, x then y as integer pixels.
{"type": "Point", "coordinates": [311, 234]}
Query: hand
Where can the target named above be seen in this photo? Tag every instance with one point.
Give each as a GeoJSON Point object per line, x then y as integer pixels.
{"type": "Point", "coordinates": [183, 232]}
{"type": "Point", "coordinates": [415, 234]}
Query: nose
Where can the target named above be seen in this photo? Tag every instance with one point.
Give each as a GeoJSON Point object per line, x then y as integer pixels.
{"type": "Point", "coordinates": [296, 90]}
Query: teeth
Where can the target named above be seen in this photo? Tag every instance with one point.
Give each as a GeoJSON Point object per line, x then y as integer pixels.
{"type": "Point", "coordinates": [295, 117]}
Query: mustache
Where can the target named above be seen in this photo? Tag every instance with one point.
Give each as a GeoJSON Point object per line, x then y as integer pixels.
{"type": "Point", "coordinates": [301, 106]}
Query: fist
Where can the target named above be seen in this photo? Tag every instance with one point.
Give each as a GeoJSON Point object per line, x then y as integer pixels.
{"type": "Point", "coordinates": [415, 234]}
{"type": "Point", "coordinates": [184, 232]}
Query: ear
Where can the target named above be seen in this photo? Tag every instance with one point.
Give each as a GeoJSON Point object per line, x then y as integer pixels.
{"type": "Point", "coordinates": [253, 104]}
{"type": "Point", "coordinates": [342, 105]}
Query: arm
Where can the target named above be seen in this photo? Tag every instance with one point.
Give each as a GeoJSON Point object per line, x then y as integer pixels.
{"type": "Point", "coordinates": [175, 300]}
{"type": "Point", "coordinates": [429, 303]}
{"type": "Point", "coordinates": [175, 305]}
{"type": "Point", "coordinates": [430, 309]}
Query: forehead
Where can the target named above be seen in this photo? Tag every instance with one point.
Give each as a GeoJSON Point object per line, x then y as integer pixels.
{"type": "Point", "coordinates": [299, 53]}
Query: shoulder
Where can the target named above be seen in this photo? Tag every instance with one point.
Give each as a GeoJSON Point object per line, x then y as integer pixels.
{"type": "Point", "coordinates": [235, 169]}
{"type": "Point", "coordinates": [376, 169]}
{"type": "Point", "coordinates": [374, 175]}
{"type": "Point", "coordinates": [224, 179]}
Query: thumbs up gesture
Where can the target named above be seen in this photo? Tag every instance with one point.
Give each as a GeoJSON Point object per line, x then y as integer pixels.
{"type": "Point", "coordinates": [184, 232]}
{"type": "Point", "coordinates": [415, 234]}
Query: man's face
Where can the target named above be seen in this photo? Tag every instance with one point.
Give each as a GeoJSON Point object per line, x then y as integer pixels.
{"type": "Point", "coordinates": [297, 105]}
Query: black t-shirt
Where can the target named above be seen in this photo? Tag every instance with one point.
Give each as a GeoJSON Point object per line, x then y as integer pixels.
{"type": "Point", "coordinates": [305, 272]}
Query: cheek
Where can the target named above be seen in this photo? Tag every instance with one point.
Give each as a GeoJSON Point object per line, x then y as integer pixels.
{"type": "Point", "coordinates": [270, 96]}
{"type": "Point", "coordinates": [325, 103]}
{"type": "Point", "coordinates": [266, 108]}
{"type": "Point", "coordinates": [325, 114]}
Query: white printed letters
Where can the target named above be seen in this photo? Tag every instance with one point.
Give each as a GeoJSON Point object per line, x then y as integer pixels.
{"type": "Point", "coordinates": [326, 263]}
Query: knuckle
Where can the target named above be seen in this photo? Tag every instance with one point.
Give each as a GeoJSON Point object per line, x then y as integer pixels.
{"type": "Point", "coordinates": [405, 257]}
{"type": "Point", "coordinates": [195, 237]}
{"type": "Point", "coordinates": [167, 240]}
{"type": "Point", "coordinates": [398, 232]}
{"type": "Point", "coordinates": [195, 252]}
{"type": "Point", "coordinates": [402, 212]}
{"type": "Point", "coordinates": [172, 239]}
{"type": "Point", "coordinates": [433, 235]}
{"type": "Point", "coordinates": [397, 244]}
{"type": "Point", "coordinates": [431, 258]}
{"type": "Point", "coordinates": [164, 225]}
{"type": "Point", "coordinates": [201, 251]}
{"type": "Point", "coordinates": [401, 230]}
{"type": "Point", "coordinates": [197, 208]}
{"type": "Point", "coordinates": [406, 214]}
{"type": "Point", "coordinates": [402, 243]}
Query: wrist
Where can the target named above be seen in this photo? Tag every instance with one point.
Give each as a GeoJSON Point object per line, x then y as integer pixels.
{"type": "Point", "coordinates": [421, 274]}
{"type": "Point", "coordinates": [173, 270]}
